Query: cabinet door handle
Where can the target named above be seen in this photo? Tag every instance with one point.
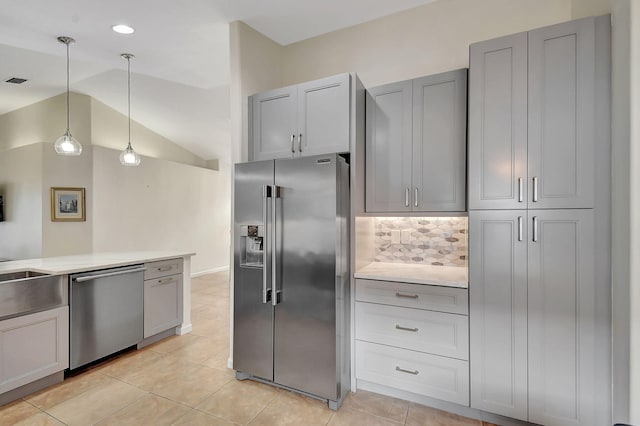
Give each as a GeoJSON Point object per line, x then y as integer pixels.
{"type": "Point", "coordinates": [408, 296]}
{"type": "Point", "coordinates": [535, 229]}
{"type": "Point", "coordinates": [399, 327]}
{"type": "Point", "coordinates": [406, 197]}
{"type": "Point", "coordinates": [535, 189]}
{"type": "Point", "coordinates": [166, 280]}
{"type": "Point", "coordinates": [164, 268]}
{"type": "Point", "coordinates": [414, 372]}
{"type": "Point", "coordinates": [519, 228]}
{"type": "Point", "coordinates": [293, 146]}
{"type": "Point", "coordinates": [300, 143]}
{"type": "Point", "coordinates": [415, 197]}
{"type": "Point", "coordinates": [520, 190]}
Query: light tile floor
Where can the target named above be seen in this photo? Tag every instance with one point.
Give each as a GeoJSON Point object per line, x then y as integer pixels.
{"type": "Point", "coordinates": [184, 380]}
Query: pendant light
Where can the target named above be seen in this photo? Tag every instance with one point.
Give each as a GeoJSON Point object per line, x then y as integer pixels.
{"type": "Point", "coordinates": [129, 157]}
{"type": "Point", "coordinates": [67, 144]}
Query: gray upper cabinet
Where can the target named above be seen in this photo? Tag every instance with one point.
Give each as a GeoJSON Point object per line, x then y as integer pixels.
{"type": "Point", "coordinates": [307, 119]}
{"type": "Point", "coordinates": [498, 311]}
{"type": "Point", "coordinates": [561, 115]}
{"type": "Point", "coordinates": [416, 145]}
{"type": "Point", "coordinates": [531, 119]}
{"type": "Point", "coordinates": [388, 149]}
{"type": "Point", "coordinates": [562, 319]}
{"type": "Point", "coordinates": [498, 123]}
{"type": "Point", "coordinates": [274, 123]}
{"type": "Point", "coordinates": [440, 142]}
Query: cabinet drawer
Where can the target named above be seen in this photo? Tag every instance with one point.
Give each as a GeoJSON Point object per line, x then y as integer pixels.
{"type": "Point", "coordinates": [163, 268]}
{"type": "Point", "coordinates": [419, 330]}
{"type": "Point", "coordinates": [429, 375]}
{"type": "Point", "coordinates": [162, 304]}
{"type": "Point", "coordinates": [420, 296]}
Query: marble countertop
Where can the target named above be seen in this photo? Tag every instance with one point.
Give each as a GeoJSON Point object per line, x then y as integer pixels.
{"type": "Point", "coordinates": [87, 262]}
{"type": "Point", "coordinates": [447, 276]}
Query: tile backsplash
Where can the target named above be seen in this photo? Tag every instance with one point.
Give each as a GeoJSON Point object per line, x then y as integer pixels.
{"type": "Point", "coordinates": [433, 240]}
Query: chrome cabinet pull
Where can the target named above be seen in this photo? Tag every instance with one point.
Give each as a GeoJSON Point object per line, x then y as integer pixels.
{"type": "Point", "coordinates": [535, 229]}
{"type": "Point", "coordinates": [414, 372]}
{"type": "Point", "coordinates": [519, 228]}
{"type": "Point", "coordinates": [293, 146]}
{"type": "Point", "coordinates": [406, 197]}
{"type": "Point", "coordinates": [108, 274]}
{"type": "Point", "coordinates": [520, 190]}
{"type": "Point", "coordinates": [399, 327]}
{"type": "Point", "coordinates": [164, 268]}
{"type": "Point", "coordinates": [275, 193]}
{"type": "Point", "coordinates": [415, 197]}
{"type": "Point", "coordinates": [535, 189]}
{"type": "Point", "coordinates": [408, 296]}
{"type": "Point", "coordinates": [166, 280]}
{"type": "Point", "coordinates": [300, 143]}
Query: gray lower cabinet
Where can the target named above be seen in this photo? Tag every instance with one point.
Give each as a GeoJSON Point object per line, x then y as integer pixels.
{"type": "Point", "coordinates": [532, 121]}
{"type": "Point", "coordinates": [416, 144]}
{"type": "Point", "coordinates": [413, 338]}
{"type": "Point", "coordinates": [33, 346]}
{"type": "Point", "coordinates": [532, 316]}
{"type": "Point", "coordinates": [311, 118]}
{"type": "Point", "coordinates": [162, 296]}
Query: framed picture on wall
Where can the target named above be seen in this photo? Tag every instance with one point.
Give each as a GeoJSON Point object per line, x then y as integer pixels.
{"type": "Point", "coordinates": [67, 205]}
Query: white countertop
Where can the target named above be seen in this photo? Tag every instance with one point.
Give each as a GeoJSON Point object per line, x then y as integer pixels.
{"type": "Point", "coordinates": [87, 262]}
{"type": "Point", "coordinates": [447, 276]}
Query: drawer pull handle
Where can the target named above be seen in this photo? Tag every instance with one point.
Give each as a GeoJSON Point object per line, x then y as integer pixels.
{"type": "Point", "coordinates": [409, 296]}
{"type": "Point", "coordinates": [166, 281]}
{"type": "Point", "coordinates": [164, 268]}
{"type": "Point", "coordinates": [399, 327]}
{"type": "Point", "coordinates": [414, 372]}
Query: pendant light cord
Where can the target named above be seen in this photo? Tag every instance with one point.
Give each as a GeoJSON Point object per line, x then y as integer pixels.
{"type": "Point", "coordinates": [129, 97]}
{"type": "Point", "coordinates": [68, 125]}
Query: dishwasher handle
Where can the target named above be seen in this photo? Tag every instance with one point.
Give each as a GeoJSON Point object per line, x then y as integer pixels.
{"type": "Point", "coordinates": [108, 274]}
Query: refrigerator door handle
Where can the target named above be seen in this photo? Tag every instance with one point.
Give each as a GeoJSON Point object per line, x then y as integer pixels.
{"type": "Point", "coordinates": [275, 293]}
{"type": "Point", "coordinates": [266, 195]}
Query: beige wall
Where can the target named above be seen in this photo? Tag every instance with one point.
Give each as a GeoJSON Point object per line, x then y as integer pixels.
{"type": "Point", "coordinates": [584, 8]}
{"type": "Point", "coordinates": [46, 121]}
{"type": "Point", "coordinates": [161, 205]}
{"type": "Point", "coordinates": [21, 186]}
{"type": "Point", "coordinates": [109, 129]}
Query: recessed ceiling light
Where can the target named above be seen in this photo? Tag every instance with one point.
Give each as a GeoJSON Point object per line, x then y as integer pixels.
{"type": "Point", "coordinates": [123, 29]}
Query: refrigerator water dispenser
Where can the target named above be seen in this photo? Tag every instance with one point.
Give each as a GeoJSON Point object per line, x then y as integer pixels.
{"type": "Point", "coordinates": [251, 249]}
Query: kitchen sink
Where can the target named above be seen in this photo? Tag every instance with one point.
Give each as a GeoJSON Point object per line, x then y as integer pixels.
{"type": "Point", "coordinates": [26, 292]}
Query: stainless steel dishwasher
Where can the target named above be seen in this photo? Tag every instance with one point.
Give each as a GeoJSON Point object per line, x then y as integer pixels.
{"type": "Point", "coordinates": [106, 313]}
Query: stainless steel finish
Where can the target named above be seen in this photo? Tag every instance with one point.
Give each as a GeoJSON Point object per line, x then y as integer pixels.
{"type": "Point", "coordinates": [252, 319]}
{"type": "Point", "coordinates": [519, 228]}
{"type": "Point", "coordinates": [410, 296]}
{"type": "Point", "coordinates": [406, 197]}
{"type": "Point", "coordinates": [301, 340]}
{"type": "Point", "coordinates": [414, 372]}
{"type": "Point", "coordinates": [275, 293]}
{"type": "Point", "coordinates": [520, 190]}
{"type": "Point", "coordinates": [300, 142]}
{"type": "Point", "coordinates": [293, 146]}
{"type": "Point", "coordinates": [415, 197]}
{"type": "Point", "coordinates": [27, 292]}
{"type": "Point", "coordinates": [535, 229]}
{"type": "Point", "coordinates": [108, 274]}
{"type": "Point", "coordinates": [266, 196]}
{"type": "Point", "coordinates": [106, 313]}
{"type": "Point", "coordinates": [399, 327]}
{"type": "Point", "coordinates": [535, 189]}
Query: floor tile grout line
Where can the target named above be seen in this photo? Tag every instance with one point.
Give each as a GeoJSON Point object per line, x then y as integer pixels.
{"type": "Point", "coordinates": [122, 408]}
{"type": "Point", "coordinates": [277, 394]}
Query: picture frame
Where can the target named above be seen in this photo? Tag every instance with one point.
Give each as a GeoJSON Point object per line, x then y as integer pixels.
{"type": "Point", "coordinates": [68, 204]}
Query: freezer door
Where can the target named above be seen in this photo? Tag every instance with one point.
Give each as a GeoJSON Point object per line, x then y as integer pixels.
{"type": "Point", "coordinates": [307, 233]}
{"type": "Point", "coordinates": [252, 311]}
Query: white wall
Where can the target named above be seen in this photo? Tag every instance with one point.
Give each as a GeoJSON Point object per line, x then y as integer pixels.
{"type": "Point", "coordinates": [21, 186]}
{"type": "Point", "coordinates": [161, 205]}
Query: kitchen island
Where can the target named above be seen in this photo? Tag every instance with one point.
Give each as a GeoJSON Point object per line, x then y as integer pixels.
{"type": "Point", "coordinates": [92, 303]}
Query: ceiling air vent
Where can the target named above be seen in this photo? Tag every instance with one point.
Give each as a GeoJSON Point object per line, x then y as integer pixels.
{"type": "Point", "coordinates": [16, 80]}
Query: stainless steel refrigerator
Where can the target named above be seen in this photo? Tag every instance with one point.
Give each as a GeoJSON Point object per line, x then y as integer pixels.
{"type": "Point", "coordinates": [291, 274]}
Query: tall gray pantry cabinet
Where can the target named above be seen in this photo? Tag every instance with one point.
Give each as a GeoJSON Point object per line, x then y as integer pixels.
{"type": "Point", "coordinates": [539, 251]}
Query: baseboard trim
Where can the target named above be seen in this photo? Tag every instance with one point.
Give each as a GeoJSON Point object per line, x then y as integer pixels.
{"type": "Point", "coordinates": [183, 329]}
{"type": "Point", "coordinates": [210, 271]}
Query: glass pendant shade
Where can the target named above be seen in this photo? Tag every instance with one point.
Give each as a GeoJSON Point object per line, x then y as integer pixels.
{"type": "Point", "coordinates": [67, 144]}
{"type": "Point", "coordinates": [129, 157]}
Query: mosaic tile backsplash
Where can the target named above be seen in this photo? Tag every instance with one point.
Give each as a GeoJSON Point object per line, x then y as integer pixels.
{"type": "Point", "coordinates": [438, 241]}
